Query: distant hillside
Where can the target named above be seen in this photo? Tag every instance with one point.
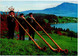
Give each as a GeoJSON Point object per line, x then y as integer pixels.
{"type": "Point", "coordinates": [64, 9]}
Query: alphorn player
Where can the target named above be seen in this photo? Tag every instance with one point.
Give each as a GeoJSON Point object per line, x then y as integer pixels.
{"type": "Point", "coordinates": [11, 25]}
{"type": "Point", "coordinates": [31, 21]}
{"type": "Point", "coordinates": [23, 23]}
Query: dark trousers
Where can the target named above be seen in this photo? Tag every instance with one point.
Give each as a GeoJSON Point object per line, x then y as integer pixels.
{"type": "Point", "coordinates": [10, 32]}
{"type": "Point", "coordinates": [32, 33]}
{"type": "Point", "coordinates": [21, 34]}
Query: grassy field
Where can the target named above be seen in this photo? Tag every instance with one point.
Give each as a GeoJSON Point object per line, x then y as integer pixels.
{"type": "Point", "coordinates": [67, 20]}
{"type": "Point", "coordinates": [19, 47]}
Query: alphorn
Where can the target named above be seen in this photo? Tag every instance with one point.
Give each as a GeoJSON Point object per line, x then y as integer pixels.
{"type": "Point", "coordinates": [66, 51]}
{"type": "Point", "coordinates": [42, 37]}
{"type": "Point", "coordinates": [30, 36]}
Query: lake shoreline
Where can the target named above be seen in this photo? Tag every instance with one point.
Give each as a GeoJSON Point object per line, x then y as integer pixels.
{"type": "Point", "coordinates": [60, 23]}
{"type": "Point", "coordinates": [70, 26]}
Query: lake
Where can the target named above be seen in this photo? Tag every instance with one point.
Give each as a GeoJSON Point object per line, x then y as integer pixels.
{"type": "Point", "coordinates": [71, 26]}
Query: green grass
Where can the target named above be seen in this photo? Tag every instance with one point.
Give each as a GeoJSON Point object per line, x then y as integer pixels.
{"type": "Point", "coordinates": [46, 20]}
{"type": "Point", "coordinates": [19, 47]}
{"type": "Point", "coordinates": [67, 20]}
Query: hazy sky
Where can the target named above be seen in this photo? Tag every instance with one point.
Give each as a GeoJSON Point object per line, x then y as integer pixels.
{"type": "Point", "coordinates": [30, 5]}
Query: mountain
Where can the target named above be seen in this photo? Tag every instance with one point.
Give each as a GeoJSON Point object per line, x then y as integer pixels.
{"type": "Point", "coordinates": [64, 9]}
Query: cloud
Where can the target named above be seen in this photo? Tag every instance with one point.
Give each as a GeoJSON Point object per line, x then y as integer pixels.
{"type": "Point", "coordinates": [40, 6]}
{"type": "Point", "coordinates": [76, 2]}
{"type": "Point", "coordinates": [38, 0]}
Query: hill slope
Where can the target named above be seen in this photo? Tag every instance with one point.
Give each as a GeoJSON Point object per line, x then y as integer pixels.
{"type": "Point", "coordinates": [19, 47]}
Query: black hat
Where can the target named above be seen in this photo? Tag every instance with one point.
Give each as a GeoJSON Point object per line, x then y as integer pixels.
{"type": "Point", "coordinates": [30, 14]}
{"type": "Point", "coordinates": [11, 11]}
{"type": "Point", "coordinates": [21, 14]}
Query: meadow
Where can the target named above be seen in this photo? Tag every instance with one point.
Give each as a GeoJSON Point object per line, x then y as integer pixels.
{"type": "Point", "coordinates": [20, 47]}
{"type": "Point", "coordinates": [67, 19]}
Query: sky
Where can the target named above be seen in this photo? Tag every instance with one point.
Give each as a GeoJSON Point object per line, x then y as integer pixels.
{"type": "Point", "coordinates": [22, 5]}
